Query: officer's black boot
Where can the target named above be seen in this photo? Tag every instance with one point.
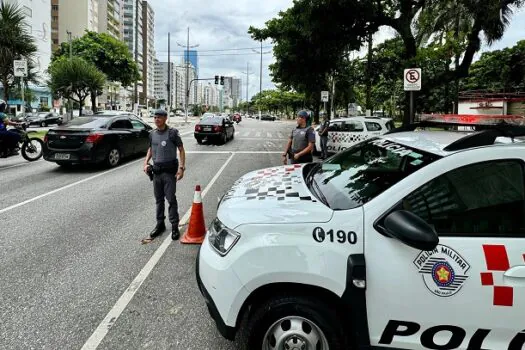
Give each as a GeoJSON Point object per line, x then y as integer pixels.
{"type": "Point", "coordinates": [158, 230]}
{"type": "Point", "coordinates": [175, 234]}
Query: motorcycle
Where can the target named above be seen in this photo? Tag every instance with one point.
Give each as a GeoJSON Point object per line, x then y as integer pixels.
{"type": "Point", "coordinates": [32, 148]}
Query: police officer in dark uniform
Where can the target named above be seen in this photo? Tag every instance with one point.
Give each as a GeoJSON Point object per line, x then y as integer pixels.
{"type": "Point", "coordinates": [167, 170]}
{"type": "Point", "coordinates": [323, 135]}
{"type": "Point", "coordinates": [301, 143]}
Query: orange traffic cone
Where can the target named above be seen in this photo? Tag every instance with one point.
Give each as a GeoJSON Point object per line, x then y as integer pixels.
{"type": "Point", "coordinates": [196, 229]}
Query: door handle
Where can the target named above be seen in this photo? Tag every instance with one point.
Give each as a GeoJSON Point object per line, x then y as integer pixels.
{"type": "Point", "coordinates": [515, 276]}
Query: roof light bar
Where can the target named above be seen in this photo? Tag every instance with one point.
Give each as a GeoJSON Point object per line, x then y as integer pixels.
{"type": "Point", "coordinates": [473, 119]}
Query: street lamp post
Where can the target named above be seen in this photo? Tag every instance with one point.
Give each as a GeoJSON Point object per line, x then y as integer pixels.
{"type": "Point", "coordinates": [260, 75]}
{"type": "Point", "coordinates": [187, 63]}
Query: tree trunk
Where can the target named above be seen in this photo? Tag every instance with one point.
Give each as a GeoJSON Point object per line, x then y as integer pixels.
{"type": "Point", "coordinates": [94, 101]}
{"type": "Point", "coordinates": [5, 84]}
{"type": "Point", "coordinates": [316, 112]}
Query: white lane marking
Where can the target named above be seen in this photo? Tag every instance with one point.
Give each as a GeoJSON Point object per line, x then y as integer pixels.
{"type": "Point", "coordinates": [269, 135]}
{"type": "Point", "coordinates": [232, 152]}
{"type": "Point", "coordinates": [186, 133]}
{"type": "Point", "coordinates": [280, 135]}
{"type": "Point", "coordinates": [103, 328]}
{"type": "Point", "coordinates": [17, 165]}
{"type": "Point", "coordinates": [258, 134]}
{"type": "Point", "coordinates": [249, 139]}
{"type": "Point", "coordinates": [14, 206]}
{"type": "Point", "coordinates": [246, 134]}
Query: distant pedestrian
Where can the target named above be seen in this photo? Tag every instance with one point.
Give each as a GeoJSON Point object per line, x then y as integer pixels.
{"type": "Point", "coordinates": [301, 143]}
{"type": "Point", "coordinates": [167, 170]}
{"type": "Point", "coordinates": [323, 134]}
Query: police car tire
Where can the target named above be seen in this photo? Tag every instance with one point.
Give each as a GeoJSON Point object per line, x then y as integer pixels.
{"type": "Point", "coordinates": [316, 311]}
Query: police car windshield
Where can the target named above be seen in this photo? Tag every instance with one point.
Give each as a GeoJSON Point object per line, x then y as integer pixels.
{"type": "Point", "coordinates": [357, 175]}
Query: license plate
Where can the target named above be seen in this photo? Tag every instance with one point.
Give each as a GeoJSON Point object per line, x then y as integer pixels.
{"type": "Point", "coordinates": [62, 156]}
{"type": "Point", "coordinates": [207, 129]}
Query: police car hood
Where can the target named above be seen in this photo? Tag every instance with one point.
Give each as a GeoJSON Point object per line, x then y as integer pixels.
{"type": "Point", "coordinates": [269, 196]}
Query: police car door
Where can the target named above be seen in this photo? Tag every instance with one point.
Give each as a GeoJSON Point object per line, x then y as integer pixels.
{"type": "Point", "coordinates": [468, 292]}
{"type": "Point", "coordinates": [374, 128]}
{"type": "Point", "coordinates": [353, 132]}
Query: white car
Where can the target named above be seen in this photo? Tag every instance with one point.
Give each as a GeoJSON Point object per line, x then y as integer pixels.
{"type": "Point", "coordinates": [346, 132]}
{"type": "Point", "coordinates": [410, 240]}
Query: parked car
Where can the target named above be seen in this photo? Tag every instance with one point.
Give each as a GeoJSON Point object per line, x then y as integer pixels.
{"type": "Point", "coordinates": [44, 119]}
{"type": "Point", "coordinates": [267, 117]}
{"type": "Point", "coordinates": [217, 128]}
{"type": "Point", "coordinates": [97, 139]}
{"type": "Point", "coordinates": [346, 132]}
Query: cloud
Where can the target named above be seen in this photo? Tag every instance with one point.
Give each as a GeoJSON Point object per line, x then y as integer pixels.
{"type": "Point", "coordinates": [220, 29]}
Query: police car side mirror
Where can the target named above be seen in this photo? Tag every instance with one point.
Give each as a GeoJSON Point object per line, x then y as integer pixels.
{"type": "Point", "coordinates": [411, 230]}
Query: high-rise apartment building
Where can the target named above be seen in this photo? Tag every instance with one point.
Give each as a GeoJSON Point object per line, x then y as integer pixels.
{"type": "Point", "coordinates": [77, 16]}
{"type": "Point", "coordinates": [110, 18]}
{"type": "Point", "coordinates": [236, 91]}
{"type": "Point", "coordinates": [161, 80]}
{"type": "Point", "coordinates": [54, 25]}
{"type": "Point", "coordinates": [133, 36]}
{"type": "Point", "coordinates": [192, 56]}
{"type": "Point", "coordinates": [148, 51]}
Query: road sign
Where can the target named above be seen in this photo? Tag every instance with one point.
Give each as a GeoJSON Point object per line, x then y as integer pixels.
{"type": "Point", "coordinates": [324, 96]}
{"type": "Point", "coordinates": [20, 68]}
{"type": "Point", "coordinates": [412, 78]}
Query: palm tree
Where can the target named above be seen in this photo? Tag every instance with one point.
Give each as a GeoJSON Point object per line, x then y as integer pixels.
{"type": "Point", "coordinates": [15, 43]}
{"type": "Point", "coordinates": [465, 19]}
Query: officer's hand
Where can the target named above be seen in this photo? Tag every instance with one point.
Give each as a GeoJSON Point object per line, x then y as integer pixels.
{"type": "Point", "coordinates": [284, 160]}
{"type": "Point", "coordinates": [180, 174]}
{"type": "Point", "coordinates": [295, 156]}
{"type": "Point", "coordinates": [146, 168]}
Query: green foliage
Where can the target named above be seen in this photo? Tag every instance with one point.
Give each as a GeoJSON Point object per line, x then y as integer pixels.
{"type": "Point", "coordinates": [501, 70]}
{"type": "Point", "coordinates": [16, 42]}
{"type": "Point", "coordinates": [75, 79]}
{"type": "Point", "coordinates": [278, 101]}
{"type": "Point", "coordinates": [109, 55]}
{"type": "Point", "coordinates": [309, 49]}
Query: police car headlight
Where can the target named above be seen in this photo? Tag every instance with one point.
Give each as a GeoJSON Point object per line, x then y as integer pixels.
{"type": "Point", "coordinates": [221, 238]}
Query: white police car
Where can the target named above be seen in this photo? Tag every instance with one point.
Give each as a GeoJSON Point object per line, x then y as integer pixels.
{"type": "Point", "coordinates": [346, 132]}
{"type": "Point", "coordinates": [411, 240]}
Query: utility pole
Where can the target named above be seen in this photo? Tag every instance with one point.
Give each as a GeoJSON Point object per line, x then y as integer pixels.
{"type": "Point", "coordinates": [70, 39]}
{"type": "Point", "coordinates": [247, 84]}
{"type": "Point", "coordinates": [169, 75]}
{"type": "Point", "coordinates": [369, 76]}
{"type": "Point", "coordinates": [260, 74]}
{"type": "Point", "coordinates": [187, 90]}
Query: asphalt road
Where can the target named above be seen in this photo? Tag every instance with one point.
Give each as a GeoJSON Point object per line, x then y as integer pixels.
{"type": "Point", "coordinates": [70, 249]}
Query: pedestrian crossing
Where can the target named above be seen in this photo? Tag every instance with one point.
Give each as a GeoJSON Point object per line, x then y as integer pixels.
{"type": "Point", "coordinates": [253, 134]}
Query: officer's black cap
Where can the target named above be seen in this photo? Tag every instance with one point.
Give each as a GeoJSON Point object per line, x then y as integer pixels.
{"type": "Point", "coordinates": [161, 113]}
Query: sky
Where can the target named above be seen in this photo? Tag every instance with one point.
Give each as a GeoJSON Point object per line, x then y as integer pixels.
{"type": "Point", "coordinates": [220, 28]}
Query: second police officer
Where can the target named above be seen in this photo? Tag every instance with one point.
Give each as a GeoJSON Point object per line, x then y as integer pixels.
{"type": "Point", "coordinates": [167, 170]}
{"type": "Point", "coordinates": [301, 143]}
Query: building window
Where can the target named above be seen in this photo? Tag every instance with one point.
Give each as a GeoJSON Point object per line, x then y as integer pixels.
{"type": "Point", "coordinates": [54, 19]}
{"type": "Point", "coordinates": [44, 101]}
{"type": "Point", "coordinates": [54, 7]}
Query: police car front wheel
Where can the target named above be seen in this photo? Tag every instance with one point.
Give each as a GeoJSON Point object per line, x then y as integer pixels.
{"type": "Point", "coordinates": [289, 322]}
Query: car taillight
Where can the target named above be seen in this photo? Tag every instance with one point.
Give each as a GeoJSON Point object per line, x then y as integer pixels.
{"type": "Point", "coordinates": [45, 138]}
{"type": "Point", "coordinates": [94, 138]}
{"type": "Point", "coordinates": [198, 128]}
{"type": "Point", "coordinates": [217, 128]}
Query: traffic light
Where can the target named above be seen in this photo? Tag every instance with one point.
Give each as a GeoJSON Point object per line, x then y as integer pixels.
{"type": "Point", "coordinates": [222, 80]}
{"type": "Point", "coordinates": [216, 80]}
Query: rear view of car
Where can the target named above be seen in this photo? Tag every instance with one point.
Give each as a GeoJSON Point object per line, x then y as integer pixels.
{"type": "Point", "coordinates": [216, 128]}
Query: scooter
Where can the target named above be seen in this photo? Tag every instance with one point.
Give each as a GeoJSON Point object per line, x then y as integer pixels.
{"type": "Point", "coordinates": [32, 148]}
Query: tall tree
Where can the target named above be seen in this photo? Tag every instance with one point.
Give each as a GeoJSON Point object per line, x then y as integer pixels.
{"type": "Point", "coordinates": [15, 43]}
{"type": "Point", "coordinates": [75, 79]}
{"type": "Point", "coordinates": [109, 55]}
{"type": "Point", "coordinates": [303, 28]}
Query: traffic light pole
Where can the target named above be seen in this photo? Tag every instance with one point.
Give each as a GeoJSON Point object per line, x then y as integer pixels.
{"type": "Point", "coordinates": [200, 79]}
